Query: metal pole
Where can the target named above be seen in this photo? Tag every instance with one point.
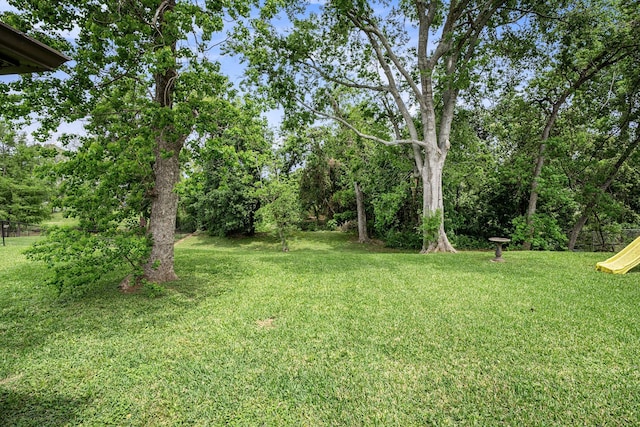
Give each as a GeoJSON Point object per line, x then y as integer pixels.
{"type": "Point", "coordinates": [3, 233]}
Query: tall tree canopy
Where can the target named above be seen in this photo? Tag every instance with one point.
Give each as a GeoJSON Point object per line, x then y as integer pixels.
{"type": "Point", "coordinates": [411, 58]}
{"type": "Point", "coordinates": [141, 66]}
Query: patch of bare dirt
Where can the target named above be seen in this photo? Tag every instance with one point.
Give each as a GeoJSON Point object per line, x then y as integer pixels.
{"type": "Point", "coordinates": [268, 323]}
{"type": "Point", "coordinates": [129, 286]}
{"type": "Point", "coordinates": [184, 238]}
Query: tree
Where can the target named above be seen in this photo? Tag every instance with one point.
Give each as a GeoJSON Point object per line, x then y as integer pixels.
{"type": "Point", "coordinates": [356, 152]}
{"type": "Point", "coordinates": [318, 177]}
{"type": "Point", "coordinates": [586, 38]}
{"type": "Point", "coordinates": [334, 174]}
{"type": "Point", "coordinates": [387, 55]}
{"type": "Point", "coordinates": [146, 45]}
{"type": "Point", "coordinates": [511, 134]}
{"type": "Point", "coordinates": [108, 178]}
{"type": "Point", "coordinates": [226, 162]}
{"type": "Point", "coordinates": [104, 183]}
{"type": "Point", "coordinates": [613, 138]}
{"type": "Point", "coordinates": [22, 192]}
{"type": "Point", "coordinates": [280, 206]}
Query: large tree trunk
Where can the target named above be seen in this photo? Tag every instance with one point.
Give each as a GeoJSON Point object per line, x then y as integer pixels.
{"type": "Point", "coordinates": [169, 142]}
{"type": "Point", "coordinates": [363, 236]}
{"type": "Point", "coordinates": [433, 205]}
{"type": "Point", "coordinates": [164, 208]}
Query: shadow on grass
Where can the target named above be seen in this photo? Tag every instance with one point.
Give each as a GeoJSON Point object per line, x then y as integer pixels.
{"type": "Point", "coordinates": [38, 409]}
{"type": "Point", "coordinates": [28, 318]}
{"type": "Point", "coordinates": [31, 312]}
{"type": "Point", "coordinates": [300, 241]}
{"type": "Point", "coordinates": [207, 274]}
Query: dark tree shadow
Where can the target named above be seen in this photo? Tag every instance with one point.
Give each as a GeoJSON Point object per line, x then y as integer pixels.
{"type": "Point", "coordinates": [37, 409]}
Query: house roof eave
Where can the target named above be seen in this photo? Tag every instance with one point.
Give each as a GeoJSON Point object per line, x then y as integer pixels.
{"type": "Point", "coordinates": [20, 53]}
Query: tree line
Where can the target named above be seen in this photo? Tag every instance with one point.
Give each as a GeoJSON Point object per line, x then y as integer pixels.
{"type": "Point", "coordinates": [426, 124]}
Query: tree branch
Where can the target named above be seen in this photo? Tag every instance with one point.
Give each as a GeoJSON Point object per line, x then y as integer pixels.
{"type": "Point", "coordinates": [344, 122]}
{"type": "Point", "coordinates": [371, 30]}
{"type": "Point", "coordinates": [347, 82]}
{"type": "Point", "coordinates": [393, 89]}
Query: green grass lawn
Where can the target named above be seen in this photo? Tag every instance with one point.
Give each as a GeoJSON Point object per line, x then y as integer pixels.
{"type": "Point", "coordinates": [331, 333]}
{"type": "Point", "coordinates": [58, 219]}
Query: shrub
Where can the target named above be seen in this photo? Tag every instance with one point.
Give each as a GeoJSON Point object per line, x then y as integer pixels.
{"type": "Point", "coordinates": [332, 224]}
{"type": "Point", "coordinates": [547, 234]}
{"type": "Point", "coordinates": [78, 258]}
{"type": "Point", "coordinates": [403, 239]}
{"type": "Point", "coordinates": [280, 208]}
{"type": "Point", "coordinates": [469, 242]}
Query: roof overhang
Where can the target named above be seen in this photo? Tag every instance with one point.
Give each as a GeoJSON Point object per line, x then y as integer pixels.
{"type": "Point", "coordinates": [20, 53]}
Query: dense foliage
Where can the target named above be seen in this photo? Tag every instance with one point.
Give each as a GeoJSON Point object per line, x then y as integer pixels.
{"type": "Point", "coordinates": [218, 193]}
{"type": "Point", "coordinates": [537, 121]}
{"type": "Point", "coordinates": [24, 184]}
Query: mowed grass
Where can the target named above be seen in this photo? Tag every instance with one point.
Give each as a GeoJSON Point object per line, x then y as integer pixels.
{"type": "Point", "coordinates": [58, 219]}
{"type": "Point", "coordinates": [331, 333]}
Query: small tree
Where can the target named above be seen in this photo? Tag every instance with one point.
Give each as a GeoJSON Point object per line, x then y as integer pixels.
{"type": "Point", "coordinates": [79, 259]}
{"type": "Point", "coordinates": [280, 207]}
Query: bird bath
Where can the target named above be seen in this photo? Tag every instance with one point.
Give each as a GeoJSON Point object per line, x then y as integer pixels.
{"type": "Point", "coordinates": [499, 241]}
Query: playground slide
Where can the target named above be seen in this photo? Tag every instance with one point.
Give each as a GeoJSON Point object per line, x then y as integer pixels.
{"type": "Point", "coordinates": [623, 261]}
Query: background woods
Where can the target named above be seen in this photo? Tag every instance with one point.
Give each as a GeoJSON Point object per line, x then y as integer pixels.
{"type": "Point", "coordinates": [427, 125]}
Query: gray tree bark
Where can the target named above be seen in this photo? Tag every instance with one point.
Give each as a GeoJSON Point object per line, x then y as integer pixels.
{"type": "Point", "coordinates": [363, 236]}
{"type": "Point", "coordinates": [164, 204]}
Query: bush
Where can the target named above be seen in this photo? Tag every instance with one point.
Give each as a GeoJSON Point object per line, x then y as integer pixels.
{"type": "Point", "coordinates": [332, 224]}
{"type": "Point", "coordinates": [78, 258]}
{"type": "Point", "coordinates": [547, 235]}
{"type": "Point", "coordinates": [342, 217]}
{"type": "Point", "coordinates": [469, 242]}
{"type": "Point", "coordinates": [403, 239]}
{"type": "Point", "coordinates": [308, 225]}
